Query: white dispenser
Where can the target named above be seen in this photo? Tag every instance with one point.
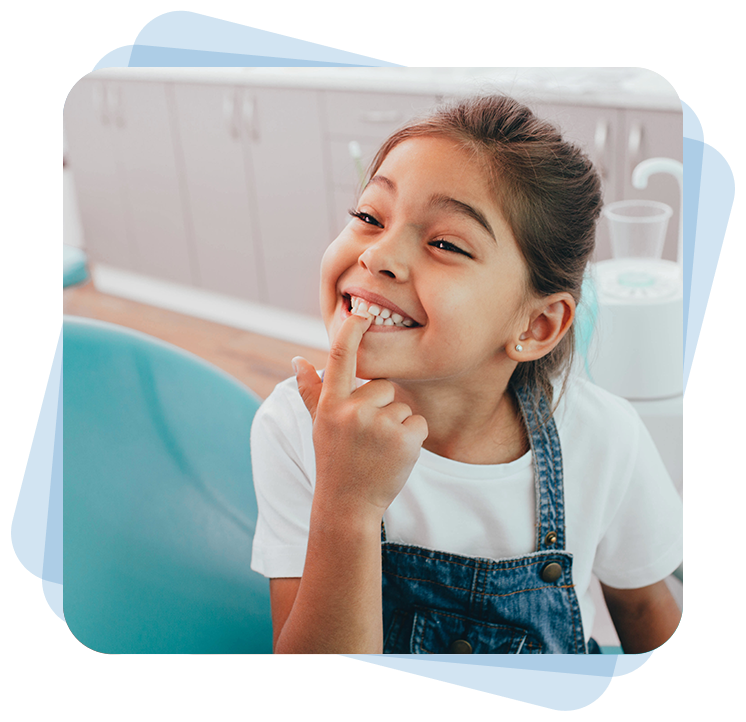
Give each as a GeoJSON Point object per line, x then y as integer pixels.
{"type": "Point", "coordinates": [638, 347]}
{"type": "Point", "coordinates": [636, 350]}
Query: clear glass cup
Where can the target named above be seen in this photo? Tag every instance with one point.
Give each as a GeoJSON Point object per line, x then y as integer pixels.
{"type": "Point", "coordinates": [637, 228]}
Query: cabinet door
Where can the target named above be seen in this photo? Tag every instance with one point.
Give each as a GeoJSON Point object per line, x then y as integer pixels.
{"type": "Point", "coordinates": [220, 193]}
{"type": "Point", "coordinates": [145, 147]}
{"type": "Point", "coordinates": [365, 119]}
{"type": "Point", "coordinates": [653, 134]}
{"type": "Point", "coordinates": [98, 176]}
{"type": "Point", "coordinates": [283, 139]}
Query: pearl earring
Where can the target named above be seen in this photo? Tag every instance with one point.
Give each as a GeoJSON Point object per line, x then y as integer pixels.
{"type": "Point", "coordinates": [518, 347]}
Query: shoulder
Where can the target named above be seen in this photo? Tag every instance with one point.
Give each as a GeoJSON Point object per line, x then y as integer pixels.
{"type": "Point", "coordinates": [282, 416]}
{"type": "Point", "coordinates": [606, 448]}
{"type": "Point", "coordinates": [283, 400]}
{"type": "Point", "coordinates": [596, 414]}
{"type": "Point", "coordinates": [604, 441]}
{"type": "Point", "coordinates": [623, 510]}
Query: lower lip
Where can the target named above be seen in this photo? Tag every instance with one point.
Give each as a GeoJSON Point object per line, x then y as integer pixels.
{"type": "Point", "coordinates": [380, 328]}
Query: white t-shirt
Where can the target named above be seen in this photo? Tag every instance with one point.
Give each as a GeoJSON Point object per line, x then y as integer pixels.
{"type": "Point", "coordinates": [623, 516]}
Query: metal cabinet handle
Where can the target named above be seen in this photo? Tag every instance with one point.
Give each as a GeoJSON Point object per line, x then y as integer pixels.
{"type": "Point", "coordinates": [635, 139]}
{"type": "Point", "coordinates": [107, 100]}
{"type": "Point", "coordinates": [634, 147]}
{"type": "Point", "coordinates": [356, 154]}
{"type": "Point", "coordinates": [600, 139]}
{"type": "Point", "coordinates": [381, 116]}
{"type": "Point", "coordinates": [99, 102]}
{"type": "Point", "coordinates": [114, 101]}
{"type": "Point", "coordinates": [230, 113]}
{"type": "Point", "coordinates": [248, 114]}
{"type": "Point", "coordinates": [634, 144]}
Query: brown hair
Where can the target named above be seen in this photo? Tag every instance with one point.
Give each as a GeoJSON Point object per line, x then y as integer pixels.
{"type": "Point", "coordinates": [545, 187]}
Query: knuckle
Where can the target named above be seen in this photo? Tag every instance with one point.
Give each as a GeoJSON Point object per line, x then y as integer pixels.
{"type": "Point", "coordinates": [337, 351]}
{"type": "Point", "coordinates": [362, 413]}
{"type": "Point", "coordinates": [352, 413]}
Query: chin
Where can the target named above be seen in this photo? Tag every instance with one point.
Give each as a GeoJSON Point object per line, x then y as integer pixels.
{"type": "Point", "coordinates": [370, 369]}
{"type": "Point", "coordinates": [380, 370]}
{"type": "Point", "coordinates": [367, 372]}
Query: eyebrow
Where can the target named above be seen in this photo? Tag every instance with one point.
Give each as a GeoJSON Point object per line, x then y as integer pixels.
{"type": "Point", "coordinates": [463, 209]}
{"type": "Point", "coordinates": [383, 181]}
{"type": "Point", "coordinates": [442, 202]}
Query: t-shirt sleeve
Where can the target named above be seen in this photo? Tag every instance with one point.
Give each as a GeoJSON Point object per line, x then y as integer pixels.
{"type": "Point", "coordinates": [283, 469]}
{"type": "Point", "coordinates": [642, 542]}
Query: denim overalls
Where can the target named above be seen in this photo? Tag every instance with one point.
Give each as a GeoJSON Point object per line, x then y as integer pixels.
{"type": "Point", "coordinates": [438, 603]}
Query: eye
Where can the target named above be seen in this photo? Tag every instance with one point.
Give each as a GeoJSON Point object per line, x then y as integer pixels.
{"type": "Point", "coordinates": [447, 246]}
{"type": "Point", "coordinates": [365, 218]}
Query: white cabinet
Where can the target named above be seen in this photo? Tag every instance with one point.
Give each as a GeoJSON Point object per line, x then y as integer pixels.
{"type": "Point", "coordinates": [220, 187]}
{"type": "Point", "coordinates": [238, 188]}
{"type": "Point", "coordinates": [365, 119]}
{"type": "Point", "coordinates": [122, 152]}
{"type": "Point", "coordinates": [218, 180]}
{"type": "Point", "coordinates": [285, 148]}
{"type": "Point", "coordinates": [90, 121]}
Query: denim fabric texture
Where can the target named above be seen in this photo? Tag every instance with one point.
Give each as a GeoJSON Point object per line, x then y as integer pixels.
{"type": "Point", "coordinates": [438, 603]}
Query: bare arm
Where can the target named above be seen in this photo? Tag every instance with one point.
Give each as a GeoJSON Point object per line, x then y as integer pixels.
{"type": "Point", "coordinates": [644, 618]}
{"type": "Point", "coordinates": [366, 445]}
{"type": "Point", "coordinates": [336, 606]}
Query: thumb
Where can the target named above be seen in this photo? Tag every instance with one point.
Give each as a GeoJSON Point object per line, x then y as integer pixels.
{"type": "Point", "coordinates": [309, 383]}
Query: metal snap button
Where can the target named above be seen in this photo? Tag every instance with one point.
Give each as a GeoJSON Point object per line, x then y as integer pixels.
{"type": "Point", "coordinates": [551, 537]}
{"type": "Point", "coordinates": [551, 572]}
{"type": "Point", "coordinates": [460, 646]}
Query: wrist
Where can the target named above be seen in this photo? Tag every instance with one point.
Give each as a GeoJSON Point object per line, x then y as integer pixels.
{"type": "Point", "coordinates": [346, 512]}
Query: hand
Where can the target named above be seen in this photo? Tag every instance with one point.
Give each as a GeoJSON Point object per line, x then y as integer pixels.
{"type": "Point", "coordinates": [366, 443]}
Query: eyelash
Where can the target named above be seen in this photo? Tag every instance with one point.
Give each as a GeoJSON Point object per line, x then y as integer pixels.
{"type": "Point", "coordinates": [364, 216]}
{"type": "Point", "coordinates": [440, 243]}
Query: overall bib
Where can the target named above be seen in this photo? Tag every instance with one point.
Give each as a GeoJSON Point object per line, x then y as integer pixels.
{"type": "Point", "coordinates": [438, 603]}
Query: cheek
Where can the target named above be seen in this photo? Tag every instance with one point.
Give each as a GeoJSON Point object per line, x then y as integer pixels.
{"type": "Point", "coordinates": [333, 264]}
{"type": "Point", "coordinates": [471, 319]}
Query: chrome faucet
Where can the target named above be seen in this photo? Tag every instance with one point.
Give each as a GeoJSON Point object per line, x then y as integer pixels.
{"type": "Point", "coordinates": [651, 166]}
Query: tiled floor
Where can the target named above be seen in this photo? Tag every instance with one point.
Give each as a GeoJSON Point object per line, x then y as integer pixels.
{"type": "Point", "coordinates": [258, 361]}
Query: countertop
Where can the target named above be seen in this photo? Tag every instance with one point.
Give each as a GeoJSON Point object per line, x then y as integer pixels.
{"type": "Point", "coordinates": [606, 87]}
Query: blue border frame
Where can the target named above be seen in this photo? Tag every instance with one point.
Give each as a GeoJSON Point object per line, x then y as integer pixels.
{"type": "Point", "coordinates": [186, 38]}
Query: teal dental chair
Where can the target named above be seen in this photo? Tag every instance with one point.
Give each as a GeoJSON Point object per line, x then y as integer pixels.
{"type": "Point", "coordinates": [74, 266]}
{"type": "Point", "coordinates": [159, 508]}
{"type": "Point", "coordinates": [586, 316]}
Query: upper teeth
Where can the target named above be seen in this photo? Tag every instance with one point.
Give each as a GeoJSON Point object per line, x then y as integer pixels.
{"type": "Point", "coordinates": [383, 316]}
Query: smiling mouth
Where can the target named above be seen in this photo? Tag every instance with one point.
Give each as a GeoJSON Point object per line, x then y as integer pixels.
{"type": "Point", "coordinates": [382, 316]}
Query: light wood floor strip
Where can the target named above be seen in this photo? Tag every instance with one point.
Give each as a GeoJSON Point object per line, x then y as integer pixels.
{"type": "Point", "coordinates": [257, 361]}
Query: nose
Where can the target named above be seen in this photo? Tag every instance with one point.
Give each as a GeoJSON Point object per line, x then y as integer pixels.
{"type": "Point", "coordinates": [388, 256]}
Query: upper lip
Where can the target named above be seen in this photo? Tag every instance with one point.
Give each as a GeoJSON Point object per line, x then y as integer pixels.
{"type": "Point", "coordinates": [377, 299]}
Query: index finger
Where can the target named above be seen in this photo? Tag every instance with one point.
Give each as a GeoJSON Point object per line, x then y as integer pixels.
{"type": "Point", "coordinates": [339, 376]}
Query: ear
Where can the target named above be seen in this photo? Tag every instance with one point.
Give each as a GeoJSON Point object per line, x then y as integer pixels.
{"type": "Point", "coordinates": [548, 322]}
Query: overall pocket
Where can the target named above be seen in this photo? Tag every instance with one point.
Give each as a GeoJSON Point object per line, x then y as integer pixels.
{"type": "Point", "coordinates": [435, 632]}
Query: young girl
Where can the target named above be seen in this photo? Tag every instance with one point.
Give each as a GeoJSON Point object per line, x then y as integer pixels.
{"type": "Point", "coordinates": [461, 498]}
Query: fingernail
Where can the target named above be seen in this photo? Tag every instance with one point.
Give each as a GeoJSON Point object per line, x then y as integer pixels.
{"type": "Point", "coordinates": [295, 365]}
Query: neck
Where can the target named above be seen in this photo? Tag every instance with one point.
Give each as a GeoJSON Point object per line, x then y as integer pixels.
{"type": "Point", "coordinates": [475, 423]}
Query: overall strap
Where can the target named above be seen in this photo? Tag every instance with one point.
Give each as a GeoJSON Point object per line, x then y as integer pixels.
{"type": "Point", "coordinates": [547, 463]}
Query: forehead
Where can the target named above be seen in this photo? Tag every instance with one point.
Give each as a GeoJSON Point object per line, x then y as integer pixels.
{"type": "Point", "coordinates": [437, 161]}
{"type": "Point", "coordinates": [439, 174]}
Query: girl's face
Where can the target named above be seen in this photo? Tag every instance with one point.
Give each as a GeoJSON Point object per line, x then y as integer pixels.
{"type": "Point", "coordinates": [428, 243]}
